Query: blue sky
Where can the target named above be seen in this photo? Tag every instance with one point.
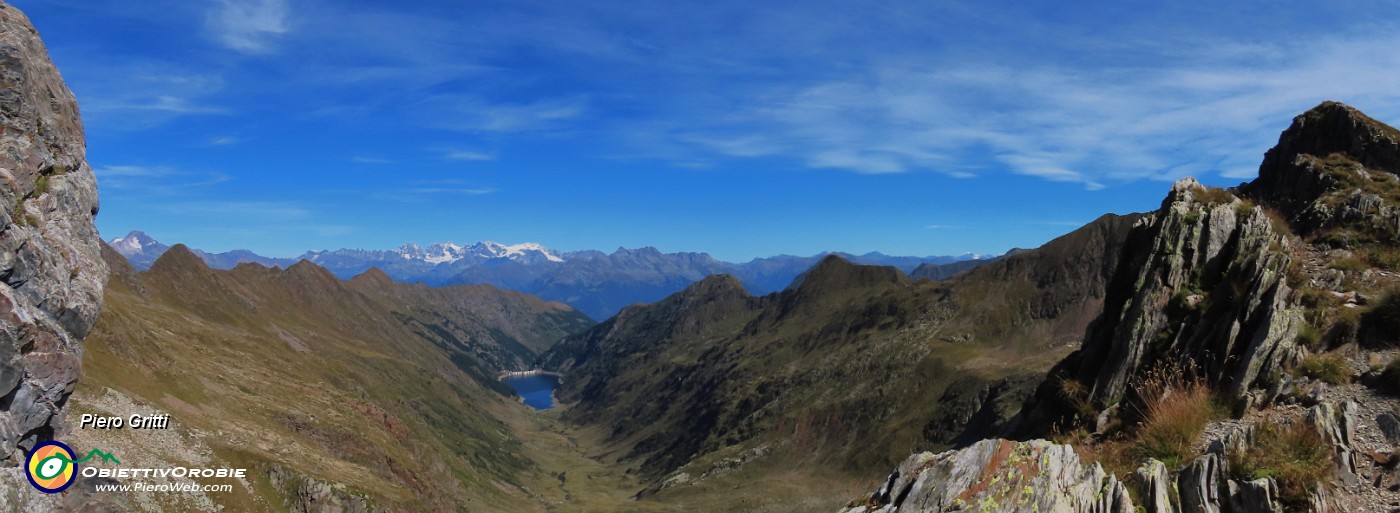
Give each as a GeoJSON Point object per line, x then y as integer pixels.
{"type": "Point", "coordinates": [741, 129]}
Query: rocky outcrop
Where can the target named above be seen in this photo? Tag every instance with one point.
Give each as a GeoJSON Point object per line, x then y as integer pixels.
{"type": "Point", "coordinates": [308, 495]}
{"type": "Point", "coordinates": [1156, 488]}
{"type": "Point", "coordinates": [1038, 476]}
{"type": "Point", "coordinates": [1337, 425]}
{"type": "Point", "coordinates": [1201, 287]}
{"type": "Point", "coordinates": [1334, 166]}
{"type": "Point", "coordinates": [994, 476]}
{"type": "Point", "coordinates": [1200, 485]}
{"type": "Point", "coordinates": [51, 269]}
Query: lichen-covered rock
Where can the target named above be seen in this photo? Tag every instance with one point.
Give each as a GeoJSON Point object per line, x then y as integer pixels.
{"type": "Point", "coordinates": [51, 270]}
{"type": "Point", "coordinates": [999, 476]}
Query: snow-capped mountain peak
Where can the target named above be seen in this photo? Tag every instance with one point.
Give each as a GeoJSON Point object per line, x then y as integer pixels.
{"type": "Point", "coordinates": [134, 243]}
{"type": "Point", "coordinates": [516, 251]}
{"type": "Point", "coordinates": [448, 252]}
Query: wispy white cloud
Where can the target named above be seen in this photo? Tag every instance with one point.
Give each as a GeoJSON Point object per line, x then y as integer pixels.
{"type": "Point", "coordinates": [465, 191]}
{"type": "Point", "coordinates": [133, 171]}
{"type": "Point", "coordinates": [420, 191]}
{"type": "Point", "coordinates": [1070, 224]}
{"type": "Point", "coordinates": [249, 26]}
{"type": "Point", "coordinates": [275, 210]}
{"type": "Point", "coordinates": [1094, 125]}
{"type": "Point", "coordinates": [474, 113]}
{"type": "Point", "coordinates": [125, 95]}
{"type": "Point", "coordinates": [223, 140]}
{"type": "Point", "coordinates": [468, 155]}
{"type": "Point", "coordinates": [156, 180]}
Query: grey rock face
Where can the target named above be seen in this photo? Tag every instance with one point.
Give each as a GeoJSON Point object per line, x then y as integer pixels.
{"type": "Point", "coordinates": [1257, 496]}
{"type": "Point", "coordinates": [1337, 424]}
{"type": "Point", "coordinates": [1156, 487]}
{"type": "Point", "coordinates": [1201, 286]}
{"type": "Point", "coordinates": [1039, 476]}
{"type": "Point", "coordinates": [1000, 476]}
{"type": "Point", "coordinates": [1200, 485]}
{"type": "Point", "coordinates": [51, 269]}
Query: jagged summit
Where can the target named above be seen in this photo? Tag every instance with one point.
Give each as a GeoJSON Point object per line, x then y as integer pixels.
{"type": "Point", "coordinates": [1334, 127]}
{"type": "Point", "coordinates": [134, 242]}
{"type": "Point", "coordinates": [1333, 174]}
{"type": "Point", "coordinates": [448, 252]}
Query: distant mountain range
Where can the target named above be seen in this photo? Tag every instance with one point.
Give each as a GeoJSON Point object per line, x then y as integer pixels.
{"type": "Point", "coordinates": [597, 283]}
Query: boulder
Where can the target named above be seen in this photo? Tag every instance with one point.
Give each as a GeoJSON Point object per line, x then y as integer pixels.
{"type": "Point", "coordinates": [999, 476]}
{"type": "Point", "coordinates": [1200, 485]}
{"type": "Point", "coordinates": [1156, 488]}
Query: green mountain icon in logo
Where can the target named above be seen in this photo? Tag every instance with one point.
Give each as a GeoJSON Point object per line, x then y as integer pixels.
{"type": "Point", "coordinates": [106, 456]}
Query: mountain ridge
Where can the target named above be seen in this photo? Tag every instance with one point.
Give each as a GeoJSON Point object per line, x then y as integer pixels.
{"type": "Point", "coordinates": [373, 363]}
{"type": "Point", "coordinates": [600, 284]}
{"type": "Point", "coordinates": [853, 362]}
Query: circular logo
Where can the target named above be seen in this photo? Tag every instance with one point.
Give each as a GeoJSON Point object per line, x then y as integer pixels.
{"type": "Point", "coordinates": [51, 467]}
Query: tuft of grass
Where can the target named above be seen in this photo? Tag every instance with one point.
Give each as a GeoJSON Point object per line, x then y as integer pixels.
{"type": "Point", "coordinates": [1175, 413]}
{"type": "Point", "coordinates": [1294, 455]}
{"type": "Point", "coordinates": [1280, 223]}
{"type": "Point", "coordinates": [1381, 322]}
{"type": "Point", "coordinates": [1076, 396]}
{"type": "Point", "coordinates": [1310, 336]}
{"type": "Point", "coordinates": [21, 217]}
{"type": "Point", "coordinates": [1348, 264]}
{"type": "Point", "coordinates": [1384, 257]}
{"type": "Point", "coordinates": [1329, 368]}
{"type": "Point", "coordinates": [1114, 455]}
{"type": "Point", "coordinates": [1213, 196]}
{"type": "Point", "coordinates": [1244, 208]}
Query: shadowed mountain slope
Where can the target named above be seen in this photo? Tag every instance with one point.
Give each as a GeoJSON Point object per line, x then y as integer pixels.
{"type": "Point", "coordinates": [851, 365]}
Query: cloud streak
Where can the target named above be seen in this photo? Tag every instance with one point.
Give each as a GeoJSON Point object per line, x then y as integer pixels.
{"type": "Point", "coordinates": [468, 155]}
{"type": "Point", "coordinates": [1089, 125]}
{"type": "Point", "coordinates": [249, 26]}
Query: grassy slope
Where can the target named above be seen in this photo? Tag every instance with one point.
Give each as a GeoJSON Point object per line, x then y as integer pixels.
{"type": "Point", "coordinates": [337, 381]}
